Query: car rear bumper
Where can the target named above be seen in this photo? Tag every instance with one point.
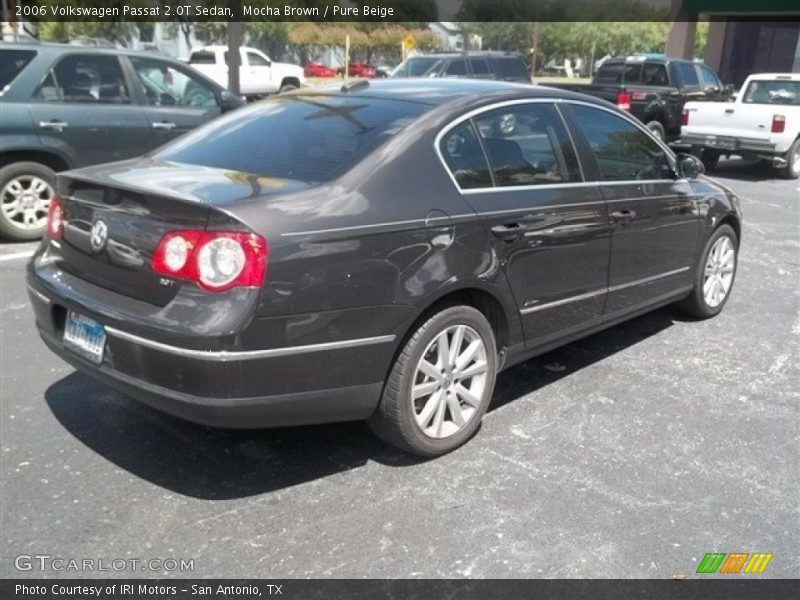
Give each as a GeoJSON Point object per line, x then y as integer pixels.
{"type": "Point", "coordinates": [250, 388]}
{"type": "Point", "coordinates": [729, 144]}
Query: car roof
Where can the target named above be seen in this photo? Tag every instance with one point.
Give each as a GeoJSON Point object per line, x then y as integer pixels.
{"type": "Point", "coordinates": [441, 91]}
{"type": "Point", "coordinates": [55, 49]}
{"type": "Point", "coordinates": [470, 54]}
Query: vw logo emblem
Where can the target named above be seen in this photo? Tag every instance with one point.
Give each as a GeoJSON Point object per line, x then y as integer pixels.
{"type": "Point", "coordinates": [98, 236]}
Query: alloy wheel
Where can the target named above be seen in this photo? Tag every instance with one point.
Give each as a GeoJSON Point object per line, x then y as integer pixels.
{"type": "Point", "coordinates": [25, 201]}
{"type": "Point", "coordinates": [449, 381]}
{"type": "Point", "coordinates": [719, 272]}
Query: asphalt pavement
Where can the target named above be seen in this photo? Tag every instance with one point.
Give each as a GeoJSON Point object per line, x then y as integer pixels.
{"type": "Point", "coordinates": [631, 453]}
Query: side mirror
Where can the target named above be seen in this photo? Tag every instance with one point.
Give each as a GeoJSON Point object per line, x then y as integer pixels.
{"type": "Point", "coordinates": [690, 166]}
{"type": "Point", "coordinates": [728, 89]}
{"type": "Point", "coordinates": [229, 101]}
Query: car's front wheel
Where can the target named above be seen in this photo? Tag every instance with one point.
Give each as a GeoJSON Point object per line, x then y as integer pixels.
{"type": "Point", "coordinates": [25, 192]}
{"type": "Point", "coordinates": [715, 274]}
{"type": "Point", "coordinates": [440, 384]}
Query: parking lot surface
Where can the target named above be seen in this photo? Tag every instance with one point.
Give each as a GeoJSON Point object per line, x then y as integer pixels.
{"type": "Point", "coordinates": [631, 453]}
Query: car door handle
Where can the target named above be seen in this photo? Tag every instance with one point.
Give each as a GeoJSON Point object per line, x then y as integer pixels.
{"type": "Point", "coordinates": [164, 125]}
{"type": "Point", "coordinates": [54, 124]}
{"type": "Point", "coordinates": [729, 111]}
{"type": "Point", "coordinates": [623, 215]}
{"type": "Point", "coordinates": [509, 231]}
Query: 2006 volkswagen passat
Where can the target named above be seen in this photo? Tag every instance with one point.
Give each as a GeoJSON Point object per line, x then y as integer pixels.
{"type": "Point", "coordinates": [378, 252]}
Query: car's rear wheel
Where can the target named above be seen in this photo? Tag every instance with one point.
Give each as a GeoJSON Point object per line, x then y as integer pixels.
{"type": "Point", "coordinates": [25, 192]}
{"type": "Point", "coordinates": [792, 168]}
{"type": "Point", "coordinates": [715, 275]}
{"type": "Point", "coordinates": [657, 129]}
{"type": "Point", "coordinates": [440, 384]}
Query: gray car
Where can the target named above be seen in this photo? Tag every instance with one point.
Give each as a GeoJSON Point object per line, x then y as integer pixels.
{"type": "Point", "coordinates": [64, 106]}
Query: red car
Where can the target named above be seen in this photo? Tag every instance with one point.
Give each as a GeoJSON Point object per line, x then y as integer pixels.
{"type": "Point", "coordinates": [357, 69]}
{"type": "Point", "coordinates": [318, 70]}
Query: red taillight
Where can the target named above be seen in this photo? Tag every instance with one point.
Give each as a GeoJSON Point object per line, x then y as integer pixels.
{"type": "Point", "coordinates": [214, 260]}
{"type": "Point", "coordinates": [778, 123]}
{"type": "Point", "coordinates": [684, 117]}
{"type": "Point", "coordinates": [55, 219]}
{"type": "Point", "coordinates": [624, 100]}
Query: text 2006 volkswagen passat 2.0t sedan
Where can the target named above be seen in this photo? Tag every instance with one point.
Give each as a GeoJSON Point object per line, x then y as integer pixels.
{"type": "Point", "coordinates": [377, 251]}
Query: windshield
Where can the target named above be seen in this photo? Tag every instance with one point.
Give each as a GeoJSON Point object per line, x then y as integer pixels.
{"type": "Point", "coordinates": [773, 92]}
{"type": "Point", "coordinates": [311, 138]}
{"type": "Point", "coordinates": [416, 66]}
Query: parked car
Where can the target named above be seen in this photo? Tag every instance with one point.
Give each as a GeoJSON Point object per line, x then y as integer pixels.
{"type": "Point", "coordinates": [379, 251]}
{"type": "Point", "coordinates": [357, 69]}
{"type": "Point", "coordinates": [318, 70]}
{"type": "Point", "coordinates": [763, 122]}
{"type": "Point", "coordinates": [259, 75]}
{"type": "Point", "coordinates": [653, 89]}
{"type": "Point", "coordinates": [64, 106]}
{"type": "Point", "coordinates": [502, 66]}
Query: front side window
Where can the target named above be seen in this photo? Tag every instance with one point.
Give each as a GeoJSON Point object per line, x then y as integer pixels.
{"type": "Point", "coordinates": [709, 79]}
{"type": "Point", "coordinates": [688, 75]}
{"type": "Point", "coordinates": [165, 85]}
{"type": "Point", "coordinates": [93, 79]}
{"type": "Point", "coordinates": [256, 60]}
{"type": "Point", "coordinates": [528, 145]}
{"type": "Point", "coordinates": [785, 92]}
{"type": "Point", "coordinates": [311, 139]}
{"type": "Point", "coordinates": [464, 157]}
{"type": "Point", "coordinates": [622, 151]}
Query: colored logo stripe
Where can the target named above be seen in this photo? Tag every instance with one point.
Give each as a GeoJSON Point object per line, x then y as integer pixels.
{"type": "Point", "coordinates": [717, 561]}
{"type": "Point", "coordinates": [758, 562]}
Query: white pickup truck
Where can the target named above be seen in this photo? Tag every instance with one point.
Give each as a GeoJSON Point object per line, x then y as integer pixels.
{"type": "Point", "coordinates": [763, 122]}
{"type": "Point", "coordinates": [258, 74]}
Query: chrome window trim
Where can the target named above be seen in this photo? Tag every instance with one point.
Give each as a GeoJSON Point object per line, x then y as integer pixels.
{"type": "Point", "coordinates": [555, 101]}
{"type": "Point", "coordinates": [224, 355]}
{"type": "Point", "coordinates": [613, 288]}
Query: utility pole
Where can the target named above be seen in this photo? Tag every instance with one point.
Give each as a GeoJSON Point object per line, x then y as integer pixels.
{"type": "Point", "coordinates": [234, 57]}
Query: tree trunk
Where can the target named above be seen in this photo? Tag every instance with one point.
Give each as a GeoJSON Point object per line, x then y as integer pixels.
{"type": "Point", "coordinates": [234, 59]}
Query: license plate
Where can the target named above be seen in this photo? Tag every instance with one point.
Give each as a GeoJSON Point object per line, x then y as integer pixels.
{"type": "Point", "coordinates": [84, 336]}
{"type": "Point", "coordinates": [724, 143]}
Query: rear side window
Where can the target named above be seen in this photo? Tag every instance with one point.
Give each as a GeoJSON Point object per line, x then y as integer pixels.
{"type": "Point", "coordinates": [464, 157]}
{"type": "Point", "coordinates": [622, 151]}
{"type": "Point", "coordinates": [609, 73]}
{"type": "Point", "coordinates": [202, 58]}
{"type": "Point", "coordinates": [528, 145]}
{"type": "Point", "coordinates": [89, 78]}
{"type": "Point", "coordinates": [654, 74]}
{"type": "Point", "coordinates": [12, 62]}
{"type": "Point", "coordinates": [479, 67]}
{"type": "Point", "coordinates": [688, 75]}
{"type": "Point", "coordinates": [456, 68]}
{"type": "Point", "coordinates": [310, 139]}
{"type": "Point", "coordinates": [511, 68]}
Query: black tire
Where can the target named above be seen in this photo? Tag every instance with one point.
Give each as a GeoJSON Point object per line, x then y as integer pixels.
{"type": "Point", "coordinates": [657, 129]}
{"type": "Point", "coordinates": [792, 168]}
{"type": "Point", "coordinates": [394, 421]}
{"type": "Point", "coordinates": [695, 303]}
{"type": "Point", "coordinates": [710, 158]}
{"type": "Point", "coordinates": [287, 87]}
{"type": "Point", "coordinates": [12, 228]}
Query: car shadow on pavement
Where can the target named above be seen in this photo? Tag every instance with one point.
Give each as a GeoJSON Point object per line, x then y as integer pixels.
{"type": "Point", "coordinates": [208, 463]}
{"type": "Point", "coordinates": [744, 170]}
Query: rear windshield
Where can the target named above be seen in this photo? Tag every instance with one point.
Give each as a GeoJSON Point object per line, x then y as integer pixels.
{"type": "Point", "coordinates": [202, 58]}
{"type": "Point", "coordinates": [11, 64]}
{"type": "Point", "coordinates": [311, 138]}
{"type": "Point", "coordinates": [511, 68]}
{"type": "Point", "coordinates": [619, 73]}
{"type": "Point", "coordinates": [773, 92]}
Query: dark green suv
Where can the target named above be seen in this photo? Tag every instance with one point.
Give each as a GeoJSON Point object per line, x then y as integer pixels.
{"type": "Point", "coordinates": [64, 106]}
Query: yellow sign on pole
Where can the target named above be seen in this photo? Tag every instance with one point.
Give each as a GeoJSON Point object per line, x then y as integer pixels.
{"type": "Point", "coordinates": [409, 43]}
